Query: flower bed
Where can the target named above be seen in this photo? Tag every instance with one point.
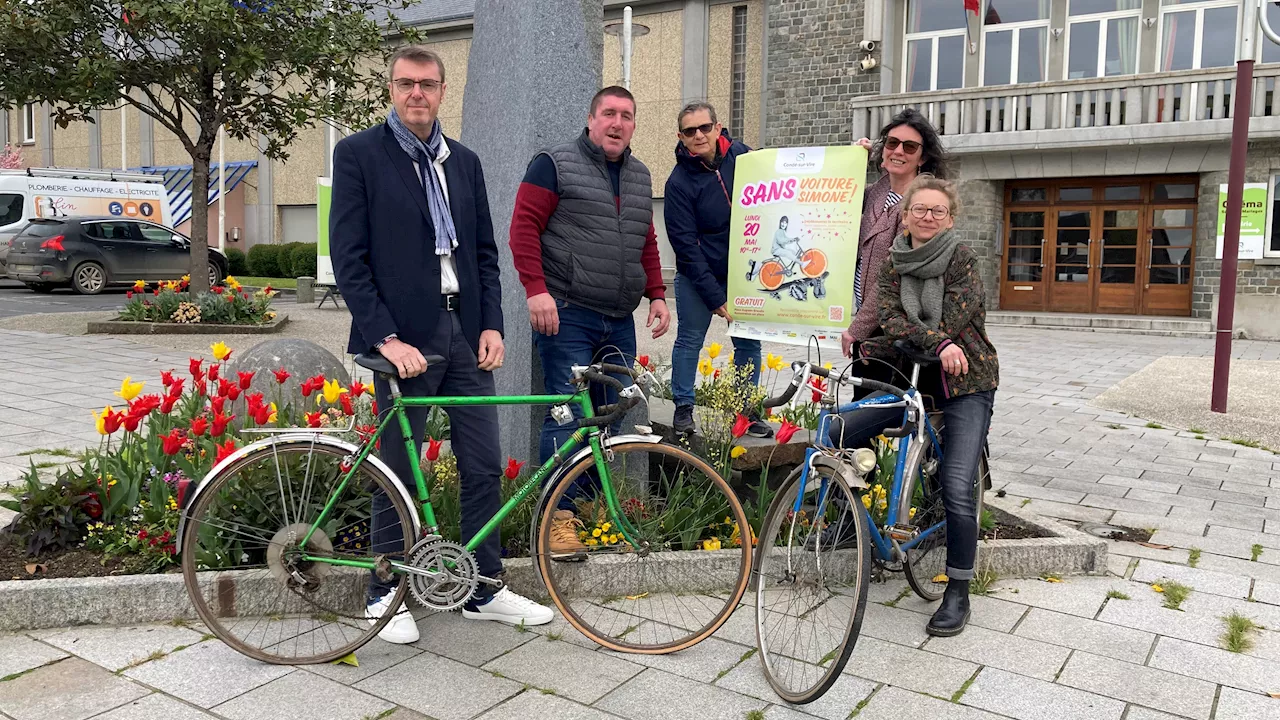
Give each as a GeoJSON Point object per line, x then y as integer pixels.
{"type": "Point", "coordinates": [171, 302]}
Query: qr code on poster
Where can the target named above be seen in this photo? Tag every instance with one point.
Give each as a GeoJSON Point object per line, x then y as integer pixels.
{"type": "Point", "coordinates": [835, 313]}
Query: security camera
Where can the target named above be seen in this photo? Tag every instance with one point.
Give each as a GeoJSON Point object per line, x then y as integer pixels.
{"type": "Point", "coordinates": [868, 63]}
{"type": "Point", "coordinates": [870, 45]}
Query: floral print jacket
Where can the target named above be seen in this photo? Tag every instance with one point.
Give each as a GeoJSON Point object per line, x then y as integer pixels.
{"type": "Point", "coordinates": [963, 323]}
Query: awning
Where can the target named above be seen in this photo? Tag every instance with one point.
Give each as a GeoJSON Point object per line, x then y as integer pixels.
{"type": "Point", "coordinates": [177, 184]}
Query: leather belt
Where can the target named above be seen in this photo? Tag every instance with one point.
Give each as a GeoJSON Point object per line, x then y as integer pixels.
{"type": "Point", "coordinates": [449, 302]}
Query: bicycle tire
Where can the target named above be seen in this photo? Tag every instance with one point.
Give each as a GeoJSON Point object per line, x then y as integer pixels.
{"type": "Point", "coordinates": [623, 612]}
{"type": "Point", "coordinates": [779, 667]}
{"type": "Point", "coordinates": [220, 594]}
{"type": "Point", "coordinates": [922, 564]}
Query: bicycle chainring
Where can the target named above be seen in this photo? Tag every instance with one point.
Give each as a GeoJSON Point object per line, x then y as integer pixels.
{"type": "Point", "coordinates": [453, 577]}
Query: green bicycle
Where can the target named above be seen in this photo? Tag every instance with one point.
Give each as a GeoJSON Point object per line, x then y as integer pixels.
{"type": "Point", "coordinates": [277, 553]}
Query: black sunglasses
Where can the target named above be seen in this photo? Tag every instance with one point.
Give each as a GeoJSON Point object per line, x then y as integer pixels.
{"type": "Point", "coordinates": [704, 129]}
{"type": "Point", "coordinates": [910, 147]}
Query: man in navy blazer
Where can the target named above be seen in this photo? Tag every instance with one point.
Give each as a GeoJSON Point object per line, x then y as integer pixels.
{"type": "Point", "coordinates": [413, 255]}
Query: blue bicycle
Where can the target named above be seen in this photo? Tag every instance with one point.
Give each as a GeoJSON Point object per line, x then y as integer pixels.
{"type": "Point", "coordinates": [818, 541]}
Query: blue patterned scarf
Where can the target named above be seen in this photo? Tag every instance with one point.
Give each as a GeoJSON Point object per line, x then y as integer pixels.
{"type": "Point", "coordinates": [425, 155]}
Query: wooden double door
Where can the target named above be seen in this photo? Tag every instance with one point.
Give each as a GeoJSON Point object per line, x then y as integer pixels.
{"type": "Point", "coordinates": [1114, 246]}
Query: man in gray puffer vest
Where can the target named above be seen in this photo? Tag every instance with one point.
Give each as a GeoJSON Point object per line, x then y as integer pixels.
{"type": "Point", "coordinates": [583, 243]}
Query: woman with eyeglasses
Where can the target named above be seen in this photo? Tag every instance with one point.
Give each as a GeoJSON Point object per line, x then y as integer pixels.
{"type": "Point", "coordinates": [930, 294]}
{"type": "Point", "coordinates": [908, 145]}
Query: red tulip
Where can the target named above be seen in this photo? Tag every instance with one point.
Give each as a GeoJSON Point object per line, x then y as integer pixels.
{"type": "Point", "coordinates": [144, 405]}
{"type": "Point", "coordinates": [366, 431]}
{"type": "Point", "coordinates": [128, 294]}
{"type": "Point", "coordinates": [166, 377]}
{"type": "Point", "coordinates": [220, 423]}
{"type": "Point", "coordinates": [202, 388]}
{"type": "Point", "coordinates": [433, 450]}
{"type": "Point", "coordinates": [262, 415]}
{"type": "Point", "coordinates": [281, 375]}
{"type": "Point", "coordinates": [643, 360]}
{"type": "Point", "coordinates": [193, 367]}
{"type": "Point", "coordinates": [307, 387]}
{"type": "Point", "coordinates": [131, 422]}
{"type": "Point", "coordinates": [172, 442]}
{"type": "Point", "coordinates": [245, 378]}
{"type": "Point", "coordinates": [175, 389]}
{"type": "Point", "coordinates": [111, 421]}
{"type": "Point", "coordinates": [216, 405]}
{"type": "Point", "coordinates": [375, 408]}
{"type": "Point", "coordinates": [166, 407]}
{"type": "Point", "coordinates": [217, 289]}
{"type": "Point", "coordinates": [224, 450]}
{"type": "Point", "coordinates": [358, 389]}
{"type": "Point", "coordinates": [92, 506]}
{"type": "Point", "coordinates": [513, 468]}
{"type": "Point", "coordinates": [313, 419]}
{"type": "Point", "coordinates": [233, 392]}
{"type": "Point", "coordinates": [253, 401]}
{"type": "Point", "coordinates": [224, 387]}
{"type": "Point", "coordinates": [213, 371]}
{"type": "Point", "coordinates": [786, 431]}
{"type": "Point", "coordinates": [198, 426]}
{"type": "Point", "coordinates": [740, 425]}
{"type": "Point", "coordinates": [347, 409]}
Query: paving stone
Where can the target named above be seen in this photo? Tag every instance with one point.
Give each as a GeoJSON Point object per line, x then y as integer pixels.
{"type": "Point", "coordinates": [1197, 627]}
{"type": "Point", "coordinates": [1227, 518]}
{"type": "Point", "coordinates": [1201, 580]}
{"type": "Point", "coordinates": [1065, 511]}
{"type": "Point", "coordinates": [1125, 504]}
{"type": "Point", "coordinates": [1080, 596]}
{"type": "Point", "coordinates": [430, 684]}
{"type": "Point", "coordinates": [1043, 493]}
{"type": "Point", "coordinates": [543, 665]}
{"type": "Point", "coordinates": [1084, 487]}
{"type": "Point", "coordinates": [1164, 498]}
{"type": "Point", "coordinates": [1150, 484]}
{"type": "Point", "coordinates": [377, 655]}
{"type": "Point", "coordinates": [72, 689]}
{"type": "Point", "coordinates": [1118, 565]}
{"type": "Point", "coordinates": [1216, 665]}
{"type": "Point", "coordinates": [1099, 638]}
{"type": "Point", "coordinates": [533, 704]}
{"type": "Point", "coordinates": [468, 641]}
{"type": "Point", "coordinates": [303, 696]}
{"type": "Point", "coordinates": [1025, 698]}
{"type": "Point", "coordinates": [1242, 568]}
{"type": "Point", "coordinates": [1135, 550]}
{"type": "Point", "coordinates": [894, 625]}
{"type": "Point", "coordinates": [1158, 522]}
{"type": "Point", "coordinates": [115, 648]}
{"type": "Point", "coordinates": [740, 628]}
{"type": "Point", "coordinates": [1231, 547]}
{"type": "Point", "coordinates": [1142, 685]}
{"type": "Point", "coordinates": [986, 611]}
{"type": "Point", "coordinates": [655, 695]}
{"type": "Point", "coordinates": [1008, 652]}
{"type": "Point", "coordinates": [702, 662]}
{"type": "Point", "coordinates": [156, 706]}
{"type": "Point", "coordinates": [1231, 497]}
{"type": "Point", "coordinates": [892, 703]}
{"type": "Point", "coordinates": [931, 673]}
{"type": "Point", "coordinates": [19, 653]}
{"type": "Point", "coordinates": [1233, 703]}
{"type": "Point", "coordinates": [206, 674]}
{"type": "Point", "coordinates": [845, 694]}
{"type": "Point", "coordinates": [1140, 713]}
{"type": "Point", "coordinates": [1266, 592]}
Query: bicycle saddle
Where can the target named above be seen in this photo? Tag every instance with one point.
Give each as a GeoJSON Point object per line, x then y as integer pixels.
{"type": "Point", "coordinates": [379, 364]}
{"type": "Point", "coordinates": [914, 353]}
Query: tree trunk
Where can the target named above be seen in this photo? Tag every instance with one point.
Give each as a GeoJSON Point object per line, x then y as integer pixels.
{"type": "Point", "coordinates": [200, 218]}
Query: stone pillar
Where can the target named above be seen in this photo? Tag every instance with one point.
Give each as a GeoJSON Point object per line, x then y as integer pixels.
{"type": "Point", "coordinates": [531, 72]}
{"type": "Point", "coordinates": [693, 67]}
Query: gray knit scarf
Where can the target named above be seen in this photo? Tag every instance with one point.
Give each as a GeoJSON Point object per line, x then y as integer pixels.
{"type": "Point", "coordinates": [922, 270]}
{"type": "Point", "coordinates": [425, 155]}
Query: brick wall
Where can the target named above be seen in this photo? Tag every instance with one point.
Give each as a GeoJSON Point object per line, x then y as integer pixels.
{"type": "Point", "coordinates": [1252, 278]}
{"type": "Point", "coordinates": [813, 71]}
{"type": "Point", "coordinates": [982, 207]}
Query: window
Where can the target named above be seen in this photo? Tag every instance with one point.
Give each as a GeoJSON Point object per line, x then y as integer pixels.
{"type": "Point", "coordinates": [1102, 38]}
{"type": "Point", "coordinates": [935, 45]}
{"type": "Point", "coordinates": [10, 208]}
{"type": "Point", "coordinates": [111, 231]}
{"type": "Point", "coordinates": [1014, 41]}
{"type": "Point", "coordinates": [1272, 247]}
{"type": "Point", "coordinates": [1197, 34]}
{"type": "Point", "coordinates": [28, 124]}
{"type": "Point", "coordinates": [738, 76]}
{"type": "Point", "coordinates": [156, 234]}
{"type": "Point", "coordinates": [1172, 237]}
{"type": "Point", "coordinates": [1270, 50]}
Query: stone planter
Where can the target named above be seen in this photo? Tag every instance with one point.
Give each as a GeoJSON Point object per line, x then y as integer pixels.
{"type": "Point", "coordinates": [130, 327]}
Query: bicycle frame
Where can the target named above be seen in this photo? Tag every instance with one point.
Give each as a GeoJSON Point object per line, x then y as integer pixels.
{"type": "Point", "coordinates": [399, 404]}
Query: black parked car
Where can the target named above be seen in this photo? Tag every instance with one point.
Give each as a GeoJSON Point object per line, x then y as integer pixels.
{"type": "Point", "coordinates": [92, 253]}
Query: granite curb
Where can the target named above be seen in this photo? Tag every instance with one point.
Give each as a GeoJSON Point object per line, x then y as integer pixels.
{"type": "Point", "coordinates": [130, 327]}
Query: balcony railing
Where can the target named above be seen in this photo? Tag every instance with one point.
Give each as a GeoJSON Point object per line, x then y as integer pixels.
{"type": "Point", "coordinates": [1158, 107]}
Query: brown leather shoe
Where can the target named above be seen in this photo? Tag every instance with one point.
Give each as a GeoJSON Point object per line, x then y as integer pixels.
{"type": "Point", "coordinates": [565, 545]}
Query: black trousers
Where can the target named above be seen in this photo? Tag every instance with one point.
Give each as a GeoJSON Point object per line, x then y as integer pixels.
{"type": "Point", "coordinates": [474, 439]}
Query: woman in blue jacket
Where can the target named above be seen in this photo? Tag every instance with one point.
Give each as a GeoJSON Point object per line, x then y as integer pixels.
{"type": "Point", "coordinates": [697, 208]}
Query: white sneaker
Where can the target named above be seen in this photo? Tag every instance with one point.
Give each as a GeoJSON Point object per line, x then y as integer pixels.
{"type": "Point", "coordinates": [402, 630]}
{"type": "Point", "coordinates": [510, 608]}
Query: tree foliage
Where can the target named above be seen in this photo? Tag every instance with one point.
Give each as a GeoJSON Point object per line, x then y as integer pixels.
{"type": "Point", "coordinates": [262, 68]}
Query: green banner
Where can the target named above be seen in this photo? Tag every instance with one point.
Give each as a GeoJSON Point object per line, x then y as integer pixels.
{"type": "Point", "coordinates": [793, 243]}
{"type": "Point", "coordinates": [1253, 220]}
{"type": "Point", "coordinates": [324, 266]}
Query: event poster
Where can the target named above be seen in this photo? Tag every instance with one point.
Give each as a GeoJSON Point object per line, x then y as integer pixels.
{"type": "Point", "coordinates": [324, 265]}
{"type": "Point", "coordinates": [793, 243]}
{"type": "Point", "coordinates": [1253, 220]}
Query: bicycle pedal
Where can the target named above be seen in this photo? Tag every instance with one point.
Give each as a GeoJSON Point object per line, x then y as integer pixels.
{"type": "Point", "coordinates": [902, 533]}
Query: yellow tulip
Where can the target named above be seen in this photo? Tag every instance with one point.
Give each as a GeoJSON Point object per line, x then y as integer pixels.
{"type": "Point", "coordinates": [737, 452]}
{"type": "Point", "coordinates": [705, 367]}
{"type": "Point", "coordinates": [713, 352]}
{"type": "Point", "coordinates": [139, 285]}
{"type": "Point", "coordinates": [186, 278]}
{"type": "Point", "coordinates": [220, 350]}
{"type": "Point", "coordinates": [129, 390]}
{"type": "Point", "coordinates": [100, 420]}
{"type": "Point", "coordinates": [272, 418]}
{"type": "Point", "coordinates": [232, 283]}
{"type": "Point", "coordinates": [866, 501]}
{"type": "Point", "coordinates": [332, 391]}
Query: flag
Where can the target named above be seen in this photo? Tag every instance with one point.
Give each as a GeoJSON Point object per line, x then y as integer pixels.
{"type": "Point", "coordinates": [971, 10]}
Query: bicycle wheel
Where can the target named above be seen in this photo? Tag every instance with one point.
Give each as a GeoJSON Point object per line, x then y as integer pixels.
{"type": "Point", "coordinates": [675, 589]}
{"type": "Point", "coordinates": [772, 274]}
{"type": "Point", "coordinates": [926, 563]}
{"type": "Point", "coordinates": [811, 577]}
{"type": "Point", "coordinates": [240, 553]}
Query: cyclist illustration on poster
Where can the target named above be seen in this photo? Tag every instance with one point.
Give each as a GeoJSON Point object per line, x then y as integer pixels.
{"type": "Point", "coordinates": [793, 249]}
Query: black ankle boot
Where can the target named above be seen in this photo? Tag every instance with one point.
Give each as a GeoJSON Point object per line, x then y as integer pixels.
{"type": "Point", "coordinates": [953, 614]}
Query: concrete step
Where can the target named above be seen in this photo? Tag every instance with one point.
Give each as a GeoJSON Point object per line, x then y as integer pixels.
{"type": "Point", "coordinates": [1123, 324]}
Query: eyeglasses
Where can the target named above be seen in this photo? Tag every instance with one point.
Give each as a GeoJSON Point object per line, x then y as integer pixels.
{"type": "Point", "coordinates": [705, 129]}
{"type": "Point", "coordinates": [405, 86]}
{"type": "Point", "coordinates": [910, 147]}
{"type": "Point", "coordinates": [940, 212]}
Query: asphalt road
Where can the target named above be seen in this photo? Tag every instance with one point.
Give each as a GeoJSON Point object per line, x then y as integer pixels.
{"type": "Point", "coordinates": [16, 299]}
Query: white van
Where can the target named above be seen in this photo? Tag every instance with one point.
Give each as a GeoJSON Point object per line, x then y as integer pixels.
{"type": "Point", "coordinates": [65, 192]}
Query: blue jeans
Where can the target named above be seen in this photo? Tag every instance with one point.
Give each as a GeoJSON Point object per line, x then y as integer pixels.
{"type": "Point", "coordinates": [693, 317]}
{"type": "Point", "coordinates": [585, 336]}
